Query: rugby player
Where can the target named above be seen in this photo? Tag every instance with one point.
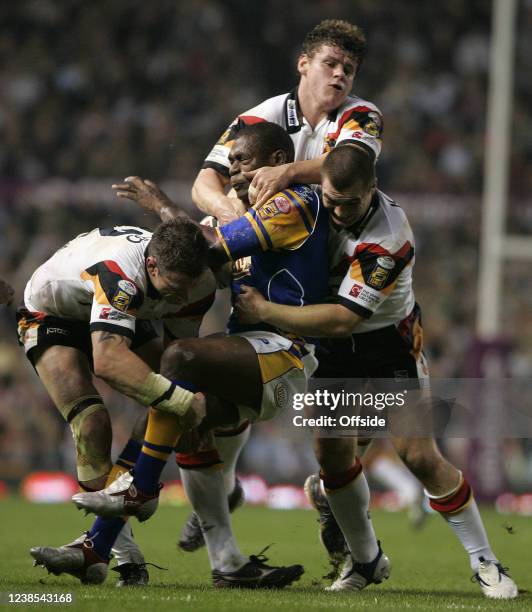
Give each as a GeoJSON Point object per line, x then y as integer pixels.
{"type": "Point", "coordinates": [87, 309]}
{"type": "Point", "coordinates": [374, 331]}
{"type": "Point", "coordinates": [253, 371]}
{"type": "Point", "coordinates": [318, 114]}
{"type": "Point", "coordinates": [6, 292]}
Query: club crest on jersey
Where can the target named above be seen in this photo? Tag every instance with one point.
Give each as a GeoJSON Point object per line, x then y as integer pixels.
{"type": "Point", "coordinates": [128, 287]}
{"type": "Point", "coordinates": [378, 277]}
{"type": "Point", "coordinates": [276, 206]}
{"type": "Point", "coordinates": [121, 300]}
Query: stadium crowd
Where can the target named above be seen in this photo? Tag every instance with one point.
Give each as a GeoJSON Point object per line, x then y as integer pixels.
{"type": "Point", "coordinates": [98, 91]}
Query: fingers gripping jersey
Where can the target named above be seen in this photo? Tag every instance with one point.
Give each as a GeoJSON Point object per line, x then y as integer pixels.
{"type": "Point", "coordinates": [287, 241]}
{"type": "Point", "coordinates": [372, 268]}
{"type": "Point", "coordinates": [100, 277]}
{"type": "Point", "coordinates": [356, 121]}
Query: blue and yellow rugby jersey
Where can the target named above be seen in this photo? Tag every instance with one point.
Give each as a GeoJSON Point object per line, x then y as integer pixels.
{"type": "Point", "coordinates": [281, 250]}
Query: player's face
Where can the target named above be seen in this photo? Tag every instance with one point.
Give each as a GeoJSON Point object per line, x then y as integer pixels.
{"type": "Point", "coordinates": [328, 76]}
{"type": "Point", "coordinates": [348, 206]}
{"type": "Point", "coordinates": [173, 287]}
{"type": "Point", "coordinates": [244, 156]}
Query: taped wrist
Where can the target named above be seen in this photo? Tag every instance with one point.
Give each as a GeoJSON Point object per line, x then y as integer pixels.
{"type": "Point", "coordinates": [163, 394]}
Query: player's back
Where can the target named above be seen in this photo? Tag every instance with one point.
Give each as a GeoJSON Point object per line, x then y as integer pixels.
{"type": "Point", "coordinates": [63, 286]}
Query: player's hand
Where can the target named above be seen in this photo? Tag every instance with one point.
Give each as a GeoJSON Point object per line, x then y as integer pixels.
{"type": "Point", "coordinates": [144, 192]}
{"type": "Point", "coordinates": [195, 414]}
{"type": "Point", "coordinates": [267, 181]}
{"type": "Point", "coordinates": [249, 305]}
{"type": "Point", "coordinates": [6, 292]}
{"type": "Point", "coordinates": [229, 209]}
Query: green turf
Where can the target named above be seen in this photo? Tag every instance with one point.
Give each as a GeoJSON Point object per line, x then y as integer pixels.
{"type": "Point", "coordinates": [430, 571]}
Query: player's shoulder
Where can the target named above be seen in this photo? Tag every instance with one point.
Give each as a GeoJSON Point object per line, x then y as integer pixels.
{"type": "Point", "coordinates": [271, 109]}
{"type": "Point", "coordinates": [295, 195]}
{"type": "Point", "coordinates": [391, 226]}
{"type": "Point", "coordinates": [355, 103]}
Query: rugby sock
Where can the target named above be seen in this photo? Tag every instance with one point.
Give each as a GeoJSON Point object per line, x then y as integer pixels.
{"type": "Point", "coordinates": [162, 434]}
{"type": "Point", "coordinates": [103, 534]}
{"type": "Point", "coordinates": [126, 460]}
{"type": "Point", "coordinates": [460, 511]}
{"type": "Point", "coordinates": [206, 492]}
{"type": "Point", "coordinates": [229, 444]}
{"type": "Point", "coordinates": [348, 496]}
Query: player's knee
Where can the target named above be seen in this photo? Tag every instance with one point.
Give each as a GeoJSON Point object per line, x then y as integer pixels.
{"type": "Point", "coordinates": [91, 429]}
{"type": "Point", "coordinates": [419, 460]}
{"type": "Point", "coordinates": [178, 358]}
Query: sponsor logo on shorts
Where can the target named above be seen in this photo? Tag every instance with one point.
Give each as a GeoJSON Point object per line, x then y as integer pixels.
{"type": "Point", "coordinates": [57, 330]}
{"type": "Point", "coordinates": [128, 287]}
{"type": "Point", "coordinates": [281, 395]}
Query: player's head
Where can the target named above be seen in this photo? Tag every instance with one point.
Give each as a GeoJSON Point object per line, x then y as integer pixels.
{"type": "Point", "coordinates": [329, 61]}
{"type": "Point", "coordinates": [258, 145]}
{"type": "Point", "coordinates": [175, 258]}
{"type": "Point", "coordinates": [348, 184]}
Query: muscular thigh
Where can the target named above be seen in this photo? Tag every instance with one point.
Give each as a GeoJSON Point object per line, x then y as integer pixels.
{"type": "Point", "coordinates": [65, 372]}
{"type": "Point", "coordinates": [225, 366]}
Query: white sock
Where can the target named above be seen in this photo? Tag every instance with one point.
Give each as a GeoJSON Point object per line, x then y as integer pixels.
{"type": "Point", "coordinates": [468, 526]}
{"type": "Point", "coordinates": [229, 448]}
{"type": "Point", "coordinates": [206, 492]}
{"type": "Point", "coordinates": [396, 477]}
{"type": "Point", "coordinates": [350, 506]}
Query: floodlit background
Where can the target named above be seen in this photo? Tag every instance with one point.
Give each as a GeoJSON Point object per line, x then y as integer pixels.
{"type": "Point", "coordinates": [91, 92]}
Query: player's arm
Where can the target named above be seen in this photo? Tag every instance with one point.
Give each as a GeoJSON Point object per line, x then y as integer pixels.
{"type": "Point", "coordinates": [120, 368]}
{"type": "Point", "coordinates": [271, 179]}
{"type": "Point", "coordinates": [208, 193]}
{"type": "Point", "coordinates": [318, 320]}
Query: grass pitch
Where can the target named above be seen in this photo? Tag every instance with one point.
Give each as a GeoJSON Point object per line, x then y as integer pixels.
{"type": "Point", "coordinates": [429, 569]}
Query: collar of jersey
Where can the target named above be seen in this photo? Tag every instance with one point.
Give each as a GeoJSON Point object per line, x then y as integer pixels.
{"type": "Point", "coordinates": [295, 123]}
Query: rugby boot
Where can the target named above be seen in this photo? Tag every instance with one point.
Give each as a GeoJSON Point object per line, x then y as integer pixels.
{"type": "Point", "coordinates": [495, 581]}
{"type": "Point", "coordinates": [77, 559]}
{"type": "Point", "coordinates": [255, 574]}
{"type": "Point", "coordinates": [357, 576]}
{"type": "Point", "coordinates": [330, 534]}
{"type": "Point", "coordinates": [191, 537]}
{"type": "Point", "coordinates": [120, 498]}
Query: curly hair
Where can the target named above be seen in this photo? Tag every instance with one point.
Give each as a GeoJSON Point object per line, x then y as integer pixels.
{"type": "Point", "coordinates": [179, 246]}
{"type": "Point", "coordinates": [349, 37]}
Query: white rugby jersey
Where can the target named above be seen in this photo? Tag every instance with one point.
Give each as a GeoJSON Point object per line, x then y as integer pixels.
{"type": "Point", "coordinates": [100, 277]}
{"type": "Point", "coordinates": [357, 121]}
{"type": "Point", "coordinates": [371, 265]}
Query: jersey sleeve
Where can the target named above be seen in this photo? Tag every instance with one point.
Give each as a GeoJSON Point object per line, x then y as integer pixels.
{"type": "Point", "coordinates": [116, 299]}
{"type": "Point", "coordinates": [285, 221]}
{"type": "Point", "coordinates": [218, 158]}
{"type": "Point", "coordinates": [186, 322]}
{"type": "Point", "coordinates": [361, 125]}
{"type": "Point", "coordinates": [372, 276]}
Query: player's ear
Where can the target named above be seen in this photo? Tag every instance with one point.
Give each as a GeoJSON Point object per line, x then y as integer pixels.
{"type": "Point", "coordinates": [302, 64]}
{"type": "Point", "coordinates": [151, 265]}
{"type": "Point", "coordinates": [278, 158]}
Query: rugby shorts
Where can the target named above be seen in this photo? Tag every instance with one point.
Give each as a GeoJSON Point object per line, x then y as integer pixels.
{"type": "Point", "coordinates": [285, 368]}
{"type": "Point", "coordinates": [39, 330]}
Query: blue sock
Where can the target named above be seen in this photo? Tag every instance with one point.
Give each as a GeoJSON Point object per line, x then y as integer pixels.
{"type": "Point", "coordinates": [103, 534]}
{"type": "Point", "coordinates": [148, 469]}
{"type": "Point", "coordinates": [130, 453]}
